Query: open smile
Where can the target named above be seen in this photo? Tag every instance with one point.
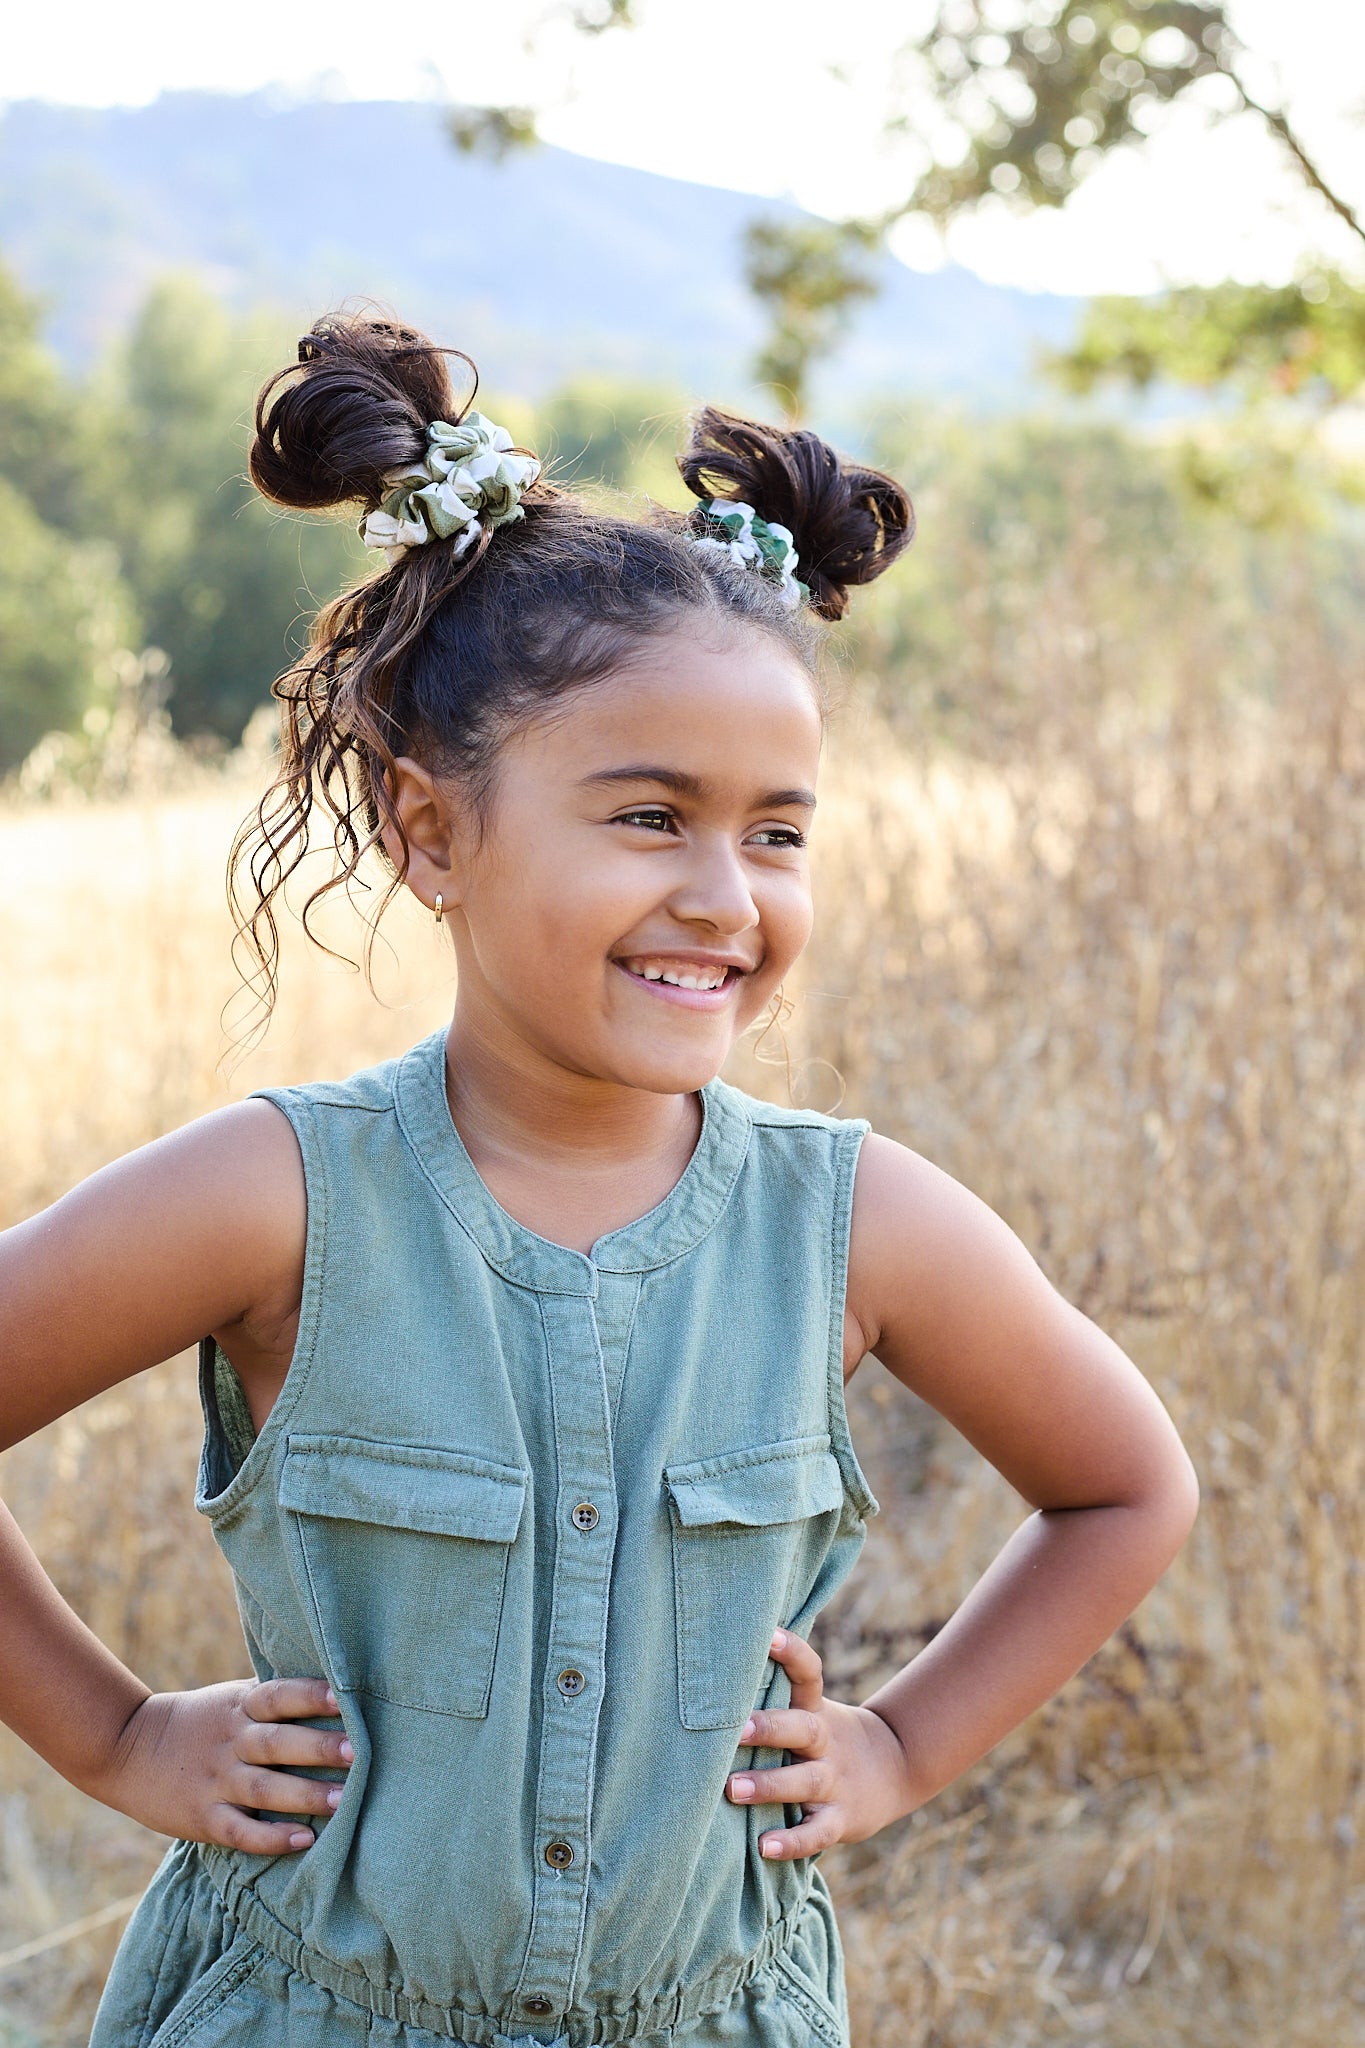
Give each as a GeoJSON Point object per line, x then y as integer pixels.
{"type": "Point", "coordinates": [696, 984]}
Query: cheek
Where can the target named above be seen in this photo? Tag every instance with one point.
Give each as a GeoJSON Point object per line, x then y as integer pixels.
{"type": "Point", "coordinates": [789, 917]}
{"type": "Point", "coordinates": [553, 907]}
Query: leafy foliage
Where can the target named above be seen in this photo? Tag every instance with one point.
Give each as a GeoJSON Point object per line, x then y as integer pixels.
{"type": "Point", "coordinates": [61, 610]}
{"type": "Point", "coordinates": [809, 275]}
{"type": "Point", "coordinates": [62, 605]}
{"type": "Point", "coordinates": [1039, 103]}
{"type": "Point", "coordinates": [126, 520]}
{"type": "Point", "coordinates": [496, 131]}
{"type": "Point", "coordinates": [43, 433]}
{"type": "Point", "coordinates": [1303, 339]}
{"type": "Point", "coordinates": [1133, 549]}
{"type": "Point", "coordinates": [603, 430]}
{"type": "Point", "coordinates": [221, 582]}
{"type": "Point", "coordinates": [1038, 95]}
{"type": "Point", "coordinates": [491, 131]}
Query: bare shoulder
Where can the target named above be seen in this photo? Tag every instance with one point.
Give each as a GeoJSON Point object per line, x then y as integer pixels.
{"type": "Point", "coordinates": [200, 1230]}
{"type": "Point", "coordinates": [919, 1240]}
{"type": "Point", "coordinates": [954, 1306]}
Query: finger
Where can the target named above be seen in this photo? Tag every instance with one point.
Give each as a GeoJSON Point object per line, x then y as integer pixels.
{"type": "Point", "coordinates": [283, 1745]}
{"type": "Point", "coordinates": [792, 1785]}
{"type": "Point", "coordinates": [820, 1830]}
{"type": "Point", "coordinates": [785, 1728]}
{"type": "Point", "coordinates": [802, 1666]}
{"type": "Point", "coordinates": [233, 1829]}
{"type": "Point", "coordinates": [289, 1699]}
{"type": "Point", "coordinates": [248, 1785]}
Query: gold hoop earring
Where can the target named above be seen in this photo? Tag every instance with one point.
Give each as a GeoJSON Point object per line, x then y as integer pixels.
{"type": "Point", "coordinates": [438, 910]}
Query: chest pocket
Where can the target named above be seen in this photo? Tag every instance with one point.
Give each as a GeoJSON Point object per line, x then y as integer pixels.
{"type": "Point", "coordinates": [405, 1551]}
{"type": "Point", "coordinates": [745, 1535]}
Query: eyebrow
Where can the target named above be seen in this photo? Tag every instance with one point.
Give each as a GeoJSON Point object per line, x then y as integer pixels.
{"type": "Point", "coordinates": [683, 784]}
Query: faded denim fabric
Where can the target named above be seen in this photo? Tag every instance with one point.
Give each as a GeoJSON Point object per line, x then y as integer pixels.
{"type": "Point", "coordinates": [535, 1516]}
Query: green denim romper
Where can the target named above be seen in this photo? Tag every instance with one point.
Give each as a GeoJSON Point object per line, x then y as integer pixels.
{"type": "Point", "coordinates": [535, 1516]}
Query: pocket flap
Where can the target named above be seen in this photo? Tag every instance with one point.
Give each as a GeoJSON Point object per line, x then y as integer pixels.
{"type": "Point", "coordinates": [402, 1486]}
{"type": "Point", "coordinates": [780, 1483]}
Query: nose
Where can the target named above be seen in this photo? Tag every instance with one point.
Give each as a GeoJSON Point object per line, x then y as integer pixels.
{"type": "Point", "coordinates": [715, 890]}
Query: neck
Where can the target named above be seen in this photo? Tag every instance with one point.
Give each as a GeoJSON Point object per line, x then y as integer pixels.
{"type": "Point", "coordinates": [570, 1156]}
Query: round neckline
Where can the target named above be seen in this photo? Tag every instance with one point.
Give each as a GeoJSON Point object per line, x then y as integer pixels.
{"type": "Point", "coordinates": [672, 1227]}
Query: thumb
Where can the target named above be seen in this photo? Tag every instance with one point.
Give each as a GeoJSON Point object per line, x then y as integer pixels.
{"type": "Point", "coordinates": [803, 1667]}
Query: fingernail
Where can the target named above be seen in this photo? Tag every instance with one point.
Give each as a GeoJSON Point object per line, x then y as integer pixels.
{"type": "Point", "coordinates": [748, 1731]}
{"type": "Point", "coordinates": [331, 1697]}
{"type": "Point", "coordinates": [769, 1848]}
{"type": "Point", "coordinates": [334, 1796]}
{"type": "Point", "coordinates": [301, 1840]}
{"type": "Point", "coordinates": [779, 1639]}
{"type": "Point", "coordinates": [346, 1753]}
{"type": "Point", "coordinates": [741, 1788]}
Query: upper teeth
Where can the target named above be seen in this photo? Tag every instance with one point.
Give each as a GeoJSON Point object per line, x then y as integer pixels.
{"type": "Point", "coordinates": [698, 977]}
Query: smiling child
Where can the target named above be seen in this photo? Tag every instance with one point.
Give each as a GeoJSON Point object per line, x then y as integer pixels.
{"type": "Point", "coordinates": [523, 1356]}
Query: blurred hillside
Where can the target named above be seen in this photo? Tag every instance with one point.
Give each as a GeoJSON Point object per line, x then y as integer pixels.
{"type": "Point", "coordinates": [542, 265]}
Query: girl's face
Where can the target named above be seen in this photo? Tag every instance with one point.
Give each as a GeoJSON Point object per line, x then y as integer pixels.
{"type": "Point", "coordinates": [641, 887]}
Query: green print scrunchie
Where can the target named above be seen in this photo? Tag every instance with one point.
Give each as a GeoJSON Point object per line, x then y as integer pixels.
{"type": "Point", "coordinates": [735, 529]}
{"type": "Point", "coordinates": [470, 480]}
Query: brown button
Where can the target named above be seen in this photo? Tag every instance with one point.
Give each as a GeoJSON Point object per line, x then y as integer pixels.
{"type": "Point", "coordinates": [537, 2006]}
{"type": "Point", "coordinates": [559, 1855]}
{"type": "Point", "coordinates": [571, 1683]}
{"type": "Point", "coordinates": [585, 1516]}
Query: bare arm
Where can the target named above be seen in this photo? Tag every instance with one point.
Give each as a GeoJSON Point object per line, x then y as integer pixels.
{"type": "Point", "coordinates": [953, 1305]}
{"type": "Point", "coordinates": [203, 1230]}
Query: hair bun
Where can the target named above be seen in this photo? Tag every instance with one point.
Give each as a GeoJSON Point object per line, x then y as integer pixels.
{"type": "Point", "coordinates": [355, 407]}
{"type": "Point", "coordinates": [848, 522]}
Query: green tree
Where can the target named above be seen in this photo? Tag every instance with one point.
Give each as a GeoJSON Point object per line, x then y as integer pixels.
{"type": "Point", "coordinates": [610, 431]}
{"type": "Point", "coordinates": [222, 583]}
{"type": "Point", "coordinates": [62, 606]}
{"type": "Point", "coordinates": [808, 275]}
{"type": "Point", "coordinates": [1038, 95]}
{"type": "Point", "coordinates": [1039, 99]}
{"type": "Point", "coordinates": [62, 613]}
{"type": "Point", "coordinates": [1302, 339]}
{"type": "Point", "coordinates": [41, 430]}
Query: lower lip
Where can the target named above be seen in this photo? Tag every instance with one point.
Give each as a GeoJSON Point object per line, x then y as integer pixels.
{"type": "Point", "coordinates": [687, 998]}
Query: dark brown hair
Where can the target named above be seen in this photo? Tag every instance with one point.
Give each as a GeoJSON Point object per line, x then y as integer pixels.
{"type": "Point", "coordinates": [442, 657]}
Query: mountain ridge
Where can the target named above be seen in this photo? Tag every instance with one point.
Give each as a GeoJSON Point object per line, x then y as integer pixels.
{"type": "Point", "coordinates": [543, 264]}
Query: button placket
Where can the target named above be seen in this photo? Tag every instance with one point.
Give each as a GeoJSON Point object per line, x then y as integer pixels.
{"type": "Point", "coordinates": [575, 1651]}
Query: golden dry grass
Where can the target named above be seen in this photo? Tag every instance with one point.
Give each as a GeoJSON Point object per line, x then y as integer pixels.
{"type": "Point", "coordinates": [1119, 988]}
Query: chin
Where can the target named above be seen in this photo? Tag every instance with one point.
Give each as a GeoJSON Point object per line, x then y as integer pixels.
{"type": "Point", "coordinates": [659, 1070]}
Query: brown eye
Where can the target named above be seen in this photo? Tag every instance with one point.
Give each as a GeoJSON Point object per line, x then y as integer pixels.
{"type": "Point", "coordinates": [651, 819]}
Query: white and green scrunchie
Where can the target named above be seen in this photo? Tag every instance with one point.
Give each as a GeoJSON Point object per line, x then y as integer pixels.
{"type": "Point", "coordinates": [470, 480]}
{"type": "Point", "coordinates": [735, 529]}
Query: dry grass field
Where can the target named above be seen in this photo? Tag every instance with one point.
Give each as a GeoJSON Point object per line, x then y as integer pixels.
{"type": "Point", "coordinates": [1118, 986]}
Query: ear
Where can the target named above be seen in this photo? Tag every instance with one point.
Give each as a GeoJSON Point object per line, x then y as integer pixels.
{"type": "Point", "coordinates": [430, 825]}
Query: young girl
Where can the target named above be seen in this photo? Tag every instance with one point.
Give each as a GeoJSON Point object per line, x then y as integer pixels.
{"type": "Point", "coordinates": [525, 1428]}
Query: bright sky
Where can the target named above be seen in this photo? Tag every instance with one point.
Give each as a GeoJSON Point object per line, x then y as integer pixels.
{"type": "Point", "coordinates": [779, 97]}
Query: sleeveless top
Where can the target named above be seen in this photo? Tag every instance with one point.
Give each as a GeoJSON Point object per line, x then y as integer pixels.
{"type": "Point", "coordinates": [534, 1515]}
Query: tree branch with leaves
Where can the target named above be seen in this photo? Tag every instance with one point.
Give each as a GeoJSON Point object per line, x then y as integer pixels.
{"type": "Point", "coordinates": [1039, 104]}
{"type": "Point", "coordinates": [1038, 94]}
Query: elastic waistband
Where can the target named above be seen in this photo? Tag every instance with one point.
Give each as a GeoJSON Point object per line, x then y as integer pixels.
{"type": "Point", "coordinates": [639, 2023]}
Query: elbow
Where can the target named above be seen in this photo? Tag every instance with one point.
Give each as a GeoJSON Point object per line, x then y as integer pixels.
{"type": "Point", "coordinates": [1176, 1507]}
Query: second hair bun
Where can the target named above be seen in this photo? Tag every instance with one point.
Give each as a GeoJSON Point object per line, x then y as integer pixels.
{"type": "Point", "coordinates": [848, 522]}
